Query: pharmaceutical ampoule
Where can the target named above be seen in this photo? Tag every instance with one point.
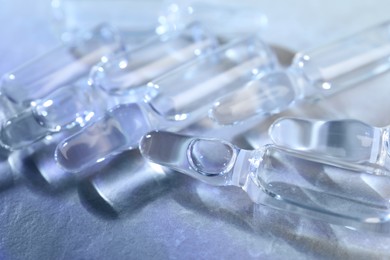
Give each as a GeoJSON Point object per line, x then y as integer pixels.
{"type": "Point", "coordinates": [125, 76]}
{"type": "Point", "coordinates": [279, 178]}
{"type": "Point", "coordinates": [60, 66]}
{"type": "Point", "coordinates": [312, 75]}
{"type": "Point", "coordinates": [140, 18]}
{"type": "Point", "coordinates": [238, 19]}
{"type": "Point", "coordinates": [173, 101]}
{"type": "Point", "coordinates": [137, 19]}
{"type": "Point", "coordinates": [126, 73]}
{"type": "Point", "coordinates": [350, 141]}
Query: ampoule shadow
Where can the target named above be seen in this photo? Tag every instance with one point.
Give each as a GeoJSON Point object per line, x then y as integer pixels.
{"type": "Point", "coordinates": [124, 186]}
{"type": "Point", "coordinates": [229, 204]}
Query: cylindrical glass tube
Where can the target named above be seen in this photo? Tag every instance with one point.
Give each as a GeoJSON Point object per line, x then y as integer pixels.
{"type": "Point", "coordinates": [64, 108]}
{"type": "Point", "coordinates": [324, 71]}
{"type": "Point", "coordinates": [351, 141]}
{"type": "Point", "coordinates": [60, 66]}
{"type": "Point", "coordinates": [238, 18]}
{"type": "Point", "coordinates": [137, 19]}
{"type": "Point", "coordinates": [279, 178]}
{"type": "Point", "coordinates": [314, 74]}
{"type": "Point", "coordinates": [126, 73]}
{"type": "Point", "coordinates": [179, 94]}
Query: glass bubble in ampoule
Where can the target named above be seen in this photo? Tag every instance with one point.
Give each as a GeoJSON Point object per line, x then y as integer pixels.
{"type": "Point", "coordinates": [350, 141]}
{"type": "Point", "coordinates": [314, 74]}
{"type": "Point", "coordinates": [124, 76]}
{"type": "Point", "coordinates": [60, 66]}
{"type": "Point", "coordinates": [173, 101]}
{"type": "Point", "coordinates": [282, 179]}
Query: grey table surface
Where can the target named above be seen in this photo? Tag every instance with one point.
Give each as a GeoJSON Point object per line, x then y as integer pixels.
{"type": "Point", "coordinates": [187, 219]}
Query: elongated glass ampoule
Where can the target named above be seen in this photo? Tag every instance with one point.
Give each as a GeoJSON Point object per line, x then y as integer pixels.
{"type": "Point", "coordinates": [351, 141]}
{"type": "Point", "coordinates": [125, 76]}
{"type": "Point", "coordinates": [279, 178]}
{"type": "Point", "coordinates": [126, 73]}
{"type": "Point", "coordinates": [173, 101]}
{"type": "Point", "coordinates": [138, 19]}
{"type": "Point", "coordinates": [60, 66]}
{"type": "Point", "coordinates": [238, 19]}
{"type": "Point", "coordinates": [313, 74]}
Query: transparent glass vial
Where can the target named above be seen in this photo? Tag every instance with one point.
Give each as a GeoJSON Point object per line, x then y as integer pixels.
{"type": "Point", "coordinates": [178, 95]}
{"type": "Point", "coordinates": [127, 72]}
{"type": "Point", "coordinates": [313, 74]}
{"type": "Point", "coordinates": [174, 101]}
{"type": "Point", "coordinates": [350, 141]}
{"type": "Point", "coordinates": [60, 66]}
{"type": "Point", "coordinates": [238, 18]}
{"type": "Point", "coordinates": [279, 178]}
{"type": "Point", "coordinates": [137, 19]}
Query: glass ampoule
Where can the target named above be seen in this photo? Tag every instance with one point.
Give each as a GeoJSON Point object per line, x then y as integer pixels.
{"type": "Point", "coordinates": [137, 19]}
{"type": "Point", "coordinates": [351, 141]}
{"type": "Point", "coordinates": [60, 66]}
{"type": "Point", "coordinates": [140, 18]}
{"type": "Point", "coordinates": [173, 101]}
{"type": "Point", "coordinates": [125, 76]}
{"type": "Point", "coordinates": [279, 178]}
{"type": "Point", "coordinates": [126, 73]}
{"type": "Point", "coordinates": [313, 74]}
{"type": "Point", "coordinates": [238, 19]}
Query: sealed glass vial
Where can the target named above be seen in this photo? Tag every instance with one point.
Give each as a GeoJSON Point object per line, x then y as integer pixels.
{"type": "Point", "coordinates": [279, 178]}
{"type": "Point", "coordinates": [313, 74]}
{"type": "Point", "coordinates": [173, 101]}
{"type": "Point", "coordinates": [62, 65]}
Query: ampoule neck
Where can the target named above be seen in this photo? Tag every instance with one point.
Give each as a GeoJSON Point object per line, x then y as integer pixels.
{"type": "Point", "coordinates": [299, 78]}
{"type": "Point", "coordinates": [246, 164]}
{"type": "Point", "coordinates": [380, 154]}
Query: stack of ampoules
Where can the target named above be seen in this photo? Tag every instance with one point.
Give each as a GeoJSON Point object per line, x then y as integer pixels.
{"type": "Point", "coordinates": [169, 82]}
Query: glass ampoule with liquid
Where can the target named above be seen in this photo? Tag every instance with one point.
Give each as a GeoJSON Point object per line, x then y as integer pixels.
{"type": "Point", "coordinates": [272, 176]}
{"type": "Point", "coordinates": [122, 79]}
{"type": "Point", "coordinates": [313, 75]}
{"type": "Point", "coordinates": [137, 19]}
{"type": "Point", "coordinates": [61, 66]}
{"type": "Point", "coordinates": [173, 101]}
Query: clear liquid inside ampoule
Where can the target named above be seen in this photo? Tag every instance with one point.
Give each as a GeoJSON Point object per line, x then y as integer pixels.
{"type": "Point", "coordinates": [323, 188]}
{"type": "Point", "coordinates": [119, 130]}
{"type": "Point", "coordinates": [67, 107]}
{"type": "Point", "coordinates": [211, 157]}
{"type": "Point", "coordinates": [209, 160]}
{"type": "Point", "coordinates": [349, 140]}
{"type": "Point", "coordinates": [22, 130]}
